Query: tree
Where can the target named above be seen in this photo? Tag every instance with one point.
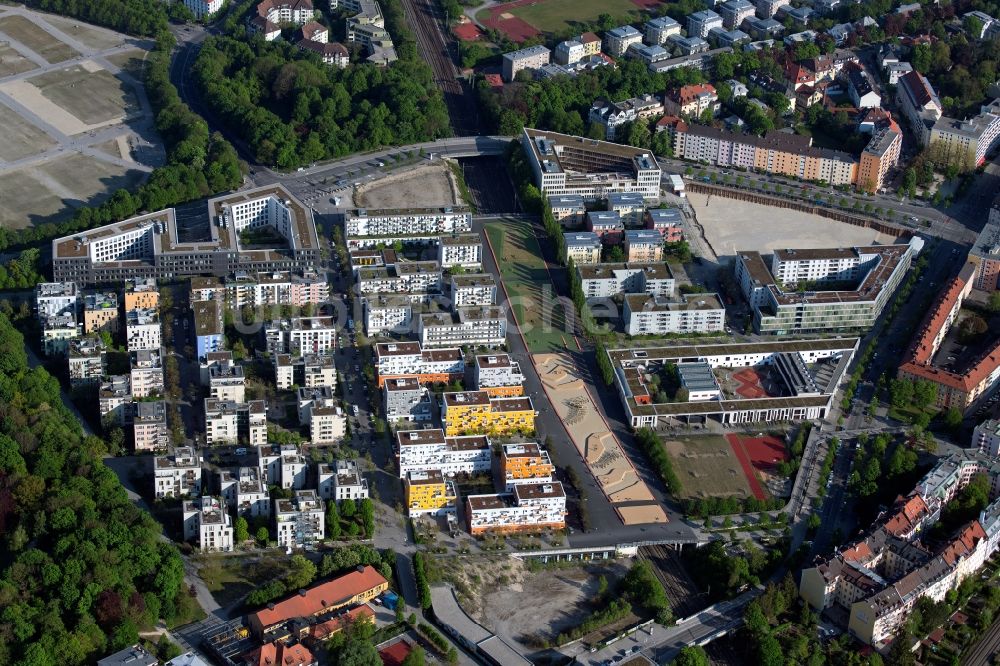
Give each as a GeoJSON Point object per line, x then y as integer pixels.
{"type": "Point", "coordinates": [953, 419]}
{"type": "Point", "coordinates": [241, 530]}
{"type": "Point", "coordinates": [400, 610]}
{"type": "Point", "coordinates": [332, 520]}
{"type": "Point", "coordinates": [262, 536]}
{"type": "Point", "coordinates": [358, 652]}
{"type": "Point", "coordinates": [993, 303]}
{"type": "Point", "coordinates": [692, 655]}
{"type": "Point", "coordinates": [972, 328]}
{"type": "Point", "coordinates": [367, 509]}
{"type": "Point", "coordinates": [301, 572]}
{"type": "Point", "coordinates": [924, 393]}
{"type": "Point", "coordinates": [348, 508]}
{"type": "Point", "coordinates": [416, 657]}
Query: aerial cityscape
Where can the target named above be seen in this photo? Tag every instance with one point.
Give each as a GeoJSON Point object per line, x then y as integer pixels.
{"type": "Point", "coordinates": [500, 332]}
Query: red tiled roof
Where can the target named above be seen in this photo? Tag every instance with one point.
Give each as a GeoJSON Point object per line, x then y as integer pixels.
{"type": "Point", "coordinates": [917, 87]}
{"type": "Point", "coordinates": [317, 599]}
{"type": "Point", "coordinates": [325, 630]}
{"type": "Point", "coordinates": [279, 654]}
{"type": "Point", "coordinates": [395, 654]}
{"type": "Point", "coordinates": [672, 122]}
{"type": "Point", "coordinates": [963, 544]}
{"type": "Point", "coordinates": [910, 513]}
{"type": "Point", "coordinates": [688, 93]}
{"type": "Point", "coordinates": [589, 37]}
{"type": "Point", "coordinates": [495, 80]}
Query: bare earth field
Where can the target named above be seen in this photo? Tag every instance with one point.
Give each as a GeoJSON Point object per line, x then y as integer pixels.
{"type": "Point", "coordinates": [36, 39]}
{"type": "Point", "coordinates": [107, 99]}
{"type": "Point", "coordinates": [731, 225]}
{"type": "Point", "coordinates": [12, 62]}
{"type": "Point", "coordinates": [706, 467]}
{"type": "Point", "coordinates": [88, 35]}
{"type": "Point", "coordinates": [19, 138]}
{"type": "Point", "coordinates": [428, 186]}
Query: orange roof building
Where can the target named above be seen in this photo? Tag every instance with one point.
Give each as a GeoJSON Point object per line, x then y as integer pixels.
{"type": "Point", "coordinates": [279, 654]}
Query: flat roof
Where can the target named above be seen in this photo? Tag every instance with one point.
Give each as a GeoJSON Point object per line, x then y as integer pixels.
{"type": "Point", "coordinates": [637, 356]}
{"type": "Point", "coordinates": [658, 270]}
{"type": "Point", "coordinates": [647, 303]}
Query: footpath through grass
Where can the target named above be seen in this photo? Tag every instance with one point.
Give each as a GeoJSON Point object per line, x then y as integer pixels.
{"type": "Point", "coordinates": [529, 289]}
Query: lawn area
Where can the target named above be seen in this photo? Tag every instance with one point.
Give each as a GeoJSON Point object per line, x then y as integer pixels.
{"type": "Point", "coordinates": [557, 15]}
{"type": "Point", "coordinates": [529, 289]}
{"type": "Point", "coordinates": [231, 577]}
{"type": "Point", "coordinates": [706, 467]}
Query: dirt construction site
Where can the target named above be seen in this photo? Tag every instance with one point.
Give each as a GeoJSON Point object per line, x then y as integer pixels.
{"type": "Point", "coordinates": [78, 125]}
{"type": "Point", "coordinates": [628, 494]}
{"type": "Point", "coordinates": [427, 186]}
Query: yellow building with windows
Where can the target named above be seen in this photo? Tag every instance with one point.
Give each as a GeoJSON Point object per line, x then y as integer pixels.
{"type": "Point", "coordinates": [428, 492]}
{"type": "Point", "coordinates": [476, 412]}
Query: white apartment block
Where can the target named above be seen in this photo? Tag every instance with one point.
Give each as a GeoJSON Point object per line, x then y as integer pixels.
{"type": "Point", "coordinates": [387, 313]}
{"type": "Point", "coordinates": [276, 288]}
{"type": "Point", "coordinates": [307, 398]}
{"type": "Point", "coordinates": [465, 250]}
{"type": "Point", "coordinates": [427, 450]}
{"type": "Point", "coordinates": [471, 289]}
{"type": "Point", "coordinates": [529, 508]}
{"type": "Point", "coordinates": [967, 142]}
{"type": "Point", "coordinates": [530, 58]}
{"type": "Point", "coordinates": [734, 12]}
{"type": "Point", "coordinates": [301, 336]}
{"type": "Point", "coordinates": [149, 426]}
{"type": "Point", "coordinates": [203, 8]}
{"type": "Point", "coordinates": [617, 40]}
{"type": "Point", "coordinates": [405, 277]}
{"type": "Point", "coordinates": [406, 399]}
{"type": "Point", "coordinates": [54, 298]}
{"type": "Point", "coordinates": [695, 313]}
{"type": "Point", "coordinates": [341, 480]}
{"type": "Point", "coordinates": [424, 221]}
{"type": "Point", "coordinates": [568, 52]}
{"type": "Point", "coordinates": [177, 474]}
{"type": "Point", "coordinates": [496, 370]}
{"type": "Point", "coordinates": [300, 521]}
{"type": "Point", "coordinates": [310, 371]}
{"type": "Point", "coordinates": [608, 280]}
{"type": "Point", "coordinates": [114, 400]}
{"type": "Point", "coordinates": [87, 359]}
{"type": "Point", "coordinates": [408, 359]}
{"type": "Point", "coordinates": [142, 329]}
{"type": "Point", "coordinates": [228, 422]}
{"type": "Point", "coordinates": [146, 375]}
{"type": "Point", "coordinates": [207, 522]}
{"type": "Point", "coordinates": [57, 332]}
{"type": "Point", "coordinates": [245, 493]}
{"type": "Point", "coordinates": [701, 23]}
{"type": "Point", "coordinates": [282, 466]}
{"type": "Point", "coordinates": [227, 382]}
{"type": "Point", "coordinates": [467, 326]}
{"type": "Point", "coordinates": [659, 30]}
{"type": "Point", "coordinates": [583, 247]}
{"type": "Point", "coordinates": [327, 423]}
{"type": "Point", "coordinates": [986, 438]}
{"type": "Point", "coordinates": [791, 267]}
{"type": "Point", "coordinates": [768, 8]}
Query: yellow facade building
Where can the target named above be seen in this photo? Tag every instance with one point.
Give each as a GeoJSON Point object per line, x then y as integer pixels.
{"type": "Point", "coordinates": [475, 412]}
{"type": "Point", "coordinates": [428, 492]}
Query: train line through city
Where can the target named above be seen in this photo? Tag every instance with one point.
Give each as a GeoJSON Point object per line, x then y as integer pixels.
{"type": "Point", "coordinates": [684, 596]}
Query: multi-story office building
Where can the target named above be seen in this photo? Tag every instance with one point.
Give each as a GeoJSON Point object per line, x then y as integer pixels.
{"type": "Point", "coordinates": [114, 400]}
{"type": "Point", "coordinates": [498, 375]}
{"type": "Point", "coordinates": [848, 288]}
{"type": "Point", "coordinates": [530, 58]}
{"type": "Point", "coordinates": [608, 280]}
{"type": "Point", "coordinates": [310, 371]}
{"type": "Point", "coordinates": [148, 246]}
{"type": "Point", "coordinates": [282, 466]}
{"type": "Point", "coordinates": [617, 40]}
{"type": "Point", "coordinates": [734, 12]}
{"type": "Point", "coordinates": [406, 399]}
{"type": "Point", "coordinates": [473, 289]}
{"type": "Point", "coordinates": [301, 336]}
{"type": "Point", "coordinates": [568, 52]}
{"type": "Point", "coordinates": [387, 313]}
{"type": "Point", "coordinates": [207, 523]}
{"type": "Point", "coordinates": [245, 492]}
{"type": "Point", "coordinates": [564, 164]}
{"type": "Point", "coordinates": [643, 246]}
{"type": "Point", "coordinates": [659, 30]}
{"type": "Point", "coordinates": [475, 412]}
{"type": "Point", "coordinates": [341, 480]}
{"type": "Point", "coordinates": [406, 222]}
{"type": "Point", "coordinates": [465, 250]}
{"type": "Point", "coordinates": [149, 426]}
{"type": "Point", "coordinates": [568, 209]}
{"type": "Point", "coordinates": [427, 366]}
{"type": "Point", "coordinates": [668, 222]}
{"type": "Point", "coordinates": [468, 326]}
{"type": "Point", "coordinates": [87, 359]}
{"type": "Point", "coordinates": [879, 156]}
{"type": "Point", "coordinates": [404, 277]}
{"type": "Point", "coordinates": [100, 313]}
{"type": "Point", "coordinates": [986, 438]}
{"type": "Point", "coordinates": [430, 450]}
{"type": "Point", "coordinates": [177, 474]}
{"type": "Point", "coordinates": [529, 508]}
{"type": "Point", "coordinates": [229, 422]}
{"type": "Point", "coordinates": [525, 462]}
{"type": "Point", "coordinates": [300, 521]}
{"type": "Point", "coordinates": [429, 493]}
{"type": "Point", "coordinates": [146, 375]}
{"type": "Point", "coordinates": [583, 247]}
{"type": "Point", "coordinates": [142, 329]}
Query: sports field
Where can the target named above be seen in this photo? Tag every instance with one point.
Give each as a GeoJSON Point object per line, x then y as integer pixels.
{"type": "Point", "coordinates": [529, 287]}
{"type": "Point", "coordinates": [525, 18]}
{"type": "Point", "coordinates": [707, 467]}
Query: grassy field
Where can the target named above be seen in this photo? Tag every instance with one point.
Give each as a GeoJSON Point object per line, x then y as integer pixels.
{"type": "Point", "coordinates": [707, 467]}
{"type": "Point", "coordinates": [19, 138]}
{"type": "Point", "coordinates": [107, 98]}
{"type": "Point", "coordinates": [36, 39]}
{"type": "Point", "coordinates": [229, 578]}
{"type": "Point", "coordinates": [524, 275]}
{"type": "Point", "coordinates": [556, 15]}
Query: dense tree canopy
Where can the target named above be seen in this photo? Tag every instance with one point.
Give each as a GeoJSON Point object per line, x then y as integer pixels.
{"type": "Point", "coordinates": [83, 569]}
{"type": "Point", "coordinates": [136, 17]}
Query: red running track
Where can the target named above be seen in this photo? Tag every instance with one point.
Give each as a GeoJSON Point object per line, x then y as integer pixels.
{"type": "Point", "coordinates": [741, 454]}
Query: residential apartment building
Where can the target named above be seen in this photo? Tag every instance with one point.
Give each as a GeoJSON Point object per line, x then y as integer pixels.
{"type": "Point", "coordinates": [282, 466]}
{"type": "Point", "coordinates": [568, 52]}
{"type": "Point", "coordinates": [297, 12]}
{"type": "Point", "coordinates": [498, 375]}
{"type": "Point", "coordinates": [985, 252]}
{"type": "Point", "coordinates": [177, 474]}
{"type": "Point", "coordinates": [430, 450]}
{"type": "Point", "coordinates": [58, 331]}
{"type": "Point", "coordinates": [861, 89]}
{"type": "Point", "coordinates": [629, 206]}
{"type": "Point", "coordinates": [530, 58]}
{"type": "Point", "coordinates": [142, 330]}
{"type": "Point", "coordinates": [966, 143]}
{"type": "Point", "coordinates": [207, 523]}
{"type": "Point", "coordinates": [643, 246]}
{"type": "Point", "coordinates": [100, 313]}
{"type": "Point", "coordinates": [387, 313]}
{"type": "Point", "coordinates": [406, 399]}
{"type": "Point", "coordinates": [473, 289]}
{"type": "Point", "coordinates": [55, 298]}
{"type": "Point", "coordinates": [146, 375]}
{"type": "Point", "coordinates": [227, 381]}
{"type": "Point", "coordinates": [406, 222]}
{"type": "Point", "coordinates": [568, 209]}
{"type": "Point", "coordinates": [229, 422]}
{"type": "Point", "coordinates": [660, 29]}
{"type": "Point", "coordinates": [203, 8]}
{"type": "Point", "coordinates": [274, 288]}
{"type": "Point", "coordinates": [327, 423]}
{"type": "Point", "coordinates": [300, 521]}
{"type": "Point", "coordinates": [986, 438]}
{"type": "Point", "coordinates": [301, 336]}
{"type": "Point", "coordinates": [429, 493]}
{"type": "Point", "coordinates": [607, 225]}
{"type": "Point", "coordinates": [525, 463]}
{"type": "Point", "coordinates": [409, 359]}
{"type": "Point", "coordinates": [468, 326]}
{"type": "Point", "coordinates": [919, 103]}
{"type": "Point", "coordinates": [245, 493]}
{"type": "Point", "coordinates": [141, 293]}
{"type": "Point", "coordinates": [87, 359]}
{"type": "Point", "coordinates": [591, 44]}
{"type": "Point", "coordinates": [618, 40]}
{"type": "Point", "coordinates": [668, 222]}
{"type": "Point", "coordinates": [615, 116]}
{"type": "Point", "coordinates": [114, 400]}
{"type": "Point", "coordinates": [529, 508]}
{"type": "Point", "coordinates": [608, 280]}
{"type": "Point", "coordinates": [694, 313]}
{"type": "Point", "coordinates": [474, 412]}
{"type": "Point", "coordinates": [405, 277]}
{"type": "Point", "coordinates": [465, 250]}
{"type": "Point", "coordinates": [879, 157]}
{"type": "Point", "coordinates": [734, 12]}
{"type": "Point", "coordinates": [692, 100]}
{"type": "Point", "coordinates": [310, 371]}
{"type": "Point", "coordinates": [341, 480]}
{"type": "Point", "coordinates": [564, 164]}
{"type": "Point", "coordinates": [768, 8]}
{"type": "Point", "coordinates": [583, 247]}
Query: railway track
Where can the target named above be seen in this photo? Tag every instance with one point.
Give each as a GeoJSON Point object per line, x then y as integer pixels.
{"type": "Point", "coordinates": [684, 596]}
{"type": "Point", "coordinates": [983, 651]}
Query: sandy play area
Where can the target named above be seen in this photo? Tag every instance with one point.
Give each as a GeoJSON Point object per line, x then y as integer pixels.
{"type": "Point", "coordinates": [731, 225]}
{"type": "Point", "coordinates": [599, 447]}
{"type": "Point", "coordinates": [427, 186]}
